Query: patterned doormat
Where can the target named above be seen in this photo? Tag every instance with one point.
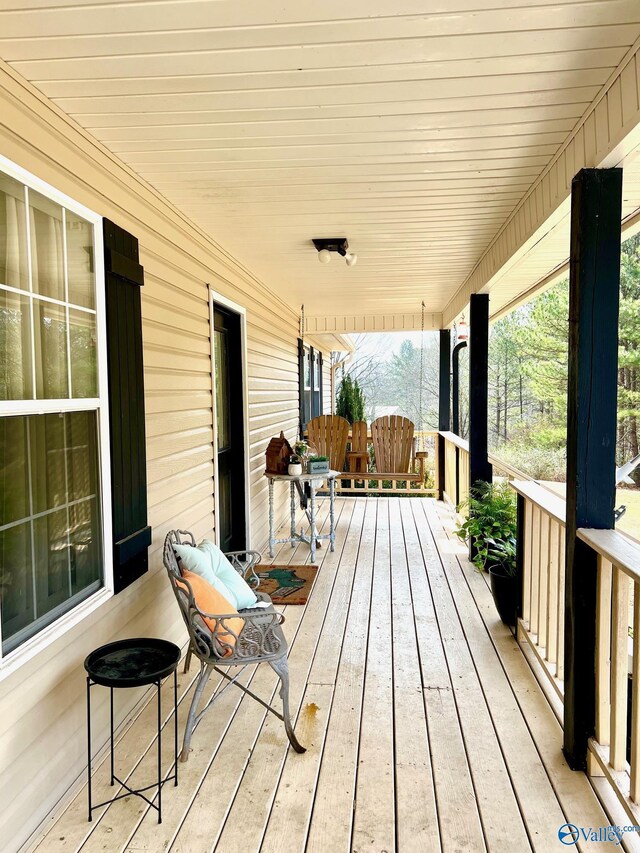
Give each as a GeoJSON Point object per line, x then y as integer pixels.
{"type": "Point", "coordinates": [286, 584]}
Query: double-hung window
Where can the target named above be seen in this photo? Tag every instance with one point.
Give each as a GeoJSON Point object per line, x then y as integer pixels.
{"type": "Point", "coordinates": [53, 408]}
{"type": "Point", "coordinates": [310, 370]}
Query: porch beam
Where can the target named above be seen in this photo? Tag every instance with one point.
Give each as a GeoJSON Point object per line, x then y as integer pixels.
{"type": "Point", "coordinates": [479, 466]}
{"type": "Point", "coordinates": [348, 324]}
{"type": "Point", "coordinates": [594, 284]}
{"type": "Point", "coordinates": [444, 403]}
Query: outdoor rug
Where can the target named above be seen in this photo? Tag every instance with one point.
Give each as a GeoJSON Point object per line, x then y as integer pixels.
{"type": "Point", "coordinates": [286, 584]}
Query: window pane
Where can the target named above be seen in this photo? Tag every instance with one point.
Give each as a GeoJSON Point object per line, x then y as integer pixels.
{"type": "Point", "coordinates": [45, 223]}
{"type": "Point", "coordinates": [223, 416]}
{"type": "Point", "coordinates": [14, 472]}
{"type": "Point", "coordinates": [15, 347]}
{"type": "Point", "coordinates": [16, 580]}
{"type": "Point", "coordinates": [80, 272]}
{"type": "Point", "coordinates": [51, 351]}
{"type": "Point", "coordinates": [82, 455]}
{"type": "Point", "coordinates": [13, 234]}
{"type": "Point", "coordinates": [53, 583]}
{"type": "Point", "coordinates": [318, 373]}
{"type": "Point", "coordinates": [82, 334]}
{"type": "Point", "coordinates": [307, 368]}
{"type": "Point", "coordinates": [85, 545]}
{"type": "Point", "coordinates": [48, 478]}
{"type": "Point", "coordinates": [63, 526]}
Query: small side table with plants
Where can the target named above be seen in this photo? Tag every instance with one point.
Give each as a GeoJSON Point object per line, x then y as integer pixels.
{"type": "Point", "coordinates": [492, 527]}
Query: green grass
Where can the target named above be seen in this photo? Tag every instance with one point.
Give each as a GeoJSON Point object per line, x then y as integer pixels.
{"type": "Point", "coordinates": [630, 521]}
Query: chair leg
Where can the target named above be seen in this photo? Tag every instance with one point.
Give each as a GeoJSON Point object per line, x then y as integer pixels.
{"type": "Point", "coordinates": [205, 672]}
{"type": "Point", "coordinates": [281, 668]}
{"type": "Point", "coordinates": [187, 660]}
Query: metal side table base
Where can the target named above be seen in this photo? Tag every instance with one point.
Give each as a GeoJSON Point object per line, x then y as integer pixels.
{"type": "Point", "coordinates": [134, 663]}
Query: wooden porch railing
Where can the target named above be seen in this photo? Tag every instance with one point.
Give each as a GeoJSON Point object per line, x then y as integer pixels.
{"type": "Point", "coordinates": [615, 749]}
{"type": "Point", "coordinates": [456, 469]}
{"type": "Point", "coordinates": [543, 562]}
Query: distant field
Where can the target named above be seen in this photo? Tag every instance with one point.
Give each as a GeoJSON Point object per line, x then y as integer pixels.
{"type": "Point", "coordinates": [630, 521]}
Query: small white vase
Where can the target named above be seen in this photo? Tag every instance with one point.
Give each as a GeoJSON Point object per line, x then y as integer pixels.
{"type": "Point", "coordinates": [295, 469]}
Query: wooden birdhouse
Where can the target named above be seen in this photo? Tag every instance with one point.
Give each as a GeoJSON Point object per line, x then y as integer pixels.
{"type": "Point", "coordinates": [278, 452]}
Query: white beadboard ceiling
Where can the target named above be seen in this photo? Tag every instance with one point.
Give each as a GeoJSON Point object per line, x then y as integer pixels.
{"type": "Point", "coordinates": [412, 127]}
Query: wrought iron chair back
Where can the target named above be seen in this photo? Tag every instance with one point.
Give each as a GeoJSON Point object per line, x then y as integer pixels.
{"type": "Point", "coordinates": [260, 640]}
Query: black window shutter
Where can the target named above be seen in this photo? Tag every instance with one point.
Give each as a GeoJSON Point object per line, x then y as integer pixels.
{"type": "Point", "coordinates": [123, 279]}
{"type": "Point", "coordinates": [320, 381]}
{"type": "Point", "coordinates": [303, 424]}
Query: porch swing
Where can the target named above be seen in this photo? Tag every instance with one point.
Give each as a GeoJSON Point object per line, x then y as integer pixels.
{"type": "Point", "coordinates": [393, 442]}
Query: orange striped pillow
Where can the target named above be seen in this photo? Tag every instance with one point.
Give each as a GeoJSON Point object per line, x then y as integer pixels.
{"type": "Point", "coordinates": [209, 600]}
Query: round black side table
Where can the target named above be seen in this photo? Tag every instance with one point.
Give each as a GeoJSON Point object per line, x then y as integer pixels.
{"type": "Point", "coordinates": [134, 663]}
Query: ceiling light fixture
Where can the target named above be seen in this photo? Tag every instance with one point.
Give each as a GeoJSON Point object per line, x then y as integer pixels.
{"type": "Point", "coordinates": [326, 245]}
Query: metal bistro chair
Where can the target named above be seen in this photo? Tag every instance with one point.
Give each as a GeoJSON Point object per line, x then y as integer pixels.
{"type": "Point", "coordinates": [261, 639]}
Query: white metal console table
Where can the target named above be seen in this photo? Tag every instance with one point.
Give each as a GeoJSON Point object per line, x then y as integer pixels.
{"type": "Point", "coordinates": [296, 485]}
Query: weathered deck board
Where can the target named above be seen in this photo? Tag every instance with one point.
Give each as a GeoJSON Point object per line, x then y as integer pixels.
{"type": "Point", "coordinates": [425, 728]}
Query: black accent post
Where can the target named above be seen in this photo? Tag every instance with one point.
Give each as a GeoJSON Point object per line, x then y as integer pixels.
{"type": "Point", "coordinates": [479, 465]}
{"type": "Point", "coordinates": [594, 280]}
{"type": "Point", "coordinates": [123, 278]}
{"type": "Point", "coordinates": [444, 403]}
{"type": "Point", "coordinates": [455, 387]}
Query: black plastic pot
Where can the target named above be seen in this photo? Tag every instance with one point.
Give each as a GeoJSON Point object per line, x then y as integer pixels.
{"type": "Point", "coordinates": [505, 594]}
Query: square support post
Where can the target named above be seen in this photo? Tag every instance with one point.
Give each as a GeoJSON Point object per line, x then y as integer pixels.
{"type": "Point", "coordinates": [594, 277]}
{"type": "Point", "coordinates": [444, 403]}
{"type": "Point", "coordinates": [479, 466]}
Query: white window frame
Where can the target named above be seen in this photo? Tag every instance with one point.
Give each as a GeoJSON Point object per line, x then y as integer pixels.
{"type": "Point", "coordinates": [58, 628]}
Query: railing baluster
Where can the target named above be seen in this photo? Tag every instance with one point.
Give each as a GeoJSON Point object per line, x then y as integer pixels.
{"type": "Point", "coordinates": [561, 572]}
{"type": "Point", "coordinates": [619, 668]}
{"type": "Point", "coordinates": [535, 569]}
{"type": "Point", "coordinates": [552, 592]}
{"type": "Point", "coordinates": [603, 652]}
{"type": "Point", "coordinates": [635, 707]}
{"type": "Point", "coordinates": [543, 556]}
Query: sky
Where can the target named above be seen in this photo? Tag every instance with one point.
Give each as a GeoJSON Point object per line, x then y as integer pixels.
{"type": "Point", "coordinates": [385, 344]}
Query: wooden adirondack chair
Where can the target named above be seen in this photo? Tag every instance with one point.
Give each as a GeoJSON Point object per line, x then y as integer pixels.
{"type": "Point", "coordinates": [358, 456]}
{"type": "Point", "coordinates": [328, 434]}
{"type": "Point", "coordinates": [392, 438]}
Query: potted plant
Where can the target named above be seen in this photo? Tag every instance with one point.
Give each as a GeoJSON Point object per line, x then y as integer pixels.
{"type": "Point", "coordinates": [491, 526]}
{"type": "Point", "coordinates": [317, 465]}
{"type": "Point", "coordinates": [501, 565]}
{"type": "Point", "coordinates": [295, 466]}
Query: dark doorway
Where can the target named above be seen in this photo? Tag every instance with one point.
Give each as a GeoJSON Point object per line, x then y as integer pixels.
{"type": "Point", "coordinates": [228, 388]}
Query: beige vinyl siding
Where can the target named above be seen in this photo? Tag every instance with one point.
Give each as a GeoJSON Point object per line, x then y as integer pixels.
{"type": "Point", "coordinates": [327, 396]}
{"type": "Point", "coordinates": [42, 710]}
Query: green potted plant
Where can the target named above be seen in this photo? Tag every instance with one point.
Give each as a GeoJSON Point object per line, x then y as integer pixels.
{"type": "Point", "coordinates": [501, 565]}
{"type": "Point", "coordinates": [492, 526]}
{"type": "Point", "coordinates": [295, 466]}
{"type": "Point", "coordinates": [317, 465]}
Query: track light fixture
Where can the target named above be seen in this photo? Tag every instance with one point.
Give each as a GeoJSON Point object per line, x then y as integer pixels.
{"type": "Point", "coordinates": [326, 245]}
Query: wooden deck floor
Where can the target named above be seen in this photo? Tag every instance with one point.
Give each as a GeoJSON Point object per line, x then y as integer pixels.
{"type": "Point", "coordinates": [425, 728]}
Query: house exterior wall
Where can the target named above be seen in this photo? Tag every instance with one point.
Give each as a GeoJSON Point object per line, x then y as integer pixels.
{"type": "Point", "coordinates": [42, 703]}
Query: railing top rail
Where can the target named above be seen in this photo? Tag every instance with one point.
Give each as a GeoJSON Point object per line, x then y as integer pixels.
{"type": "Point", "coordinates": [549, 503]}
{"type": "Point", "coordinates": [614, 547]}
{"type": "Point", "coordinates": [455, 439]}
{"type": "Point", "coordinates": [516, 473]}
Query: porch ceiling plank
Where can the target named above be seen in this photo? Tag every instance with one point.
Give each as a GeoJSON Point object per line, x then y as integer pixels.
{"type": "Point", "coordinates": [490, 640]}
{"type": "Point", "coordinates": [291, 122]}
